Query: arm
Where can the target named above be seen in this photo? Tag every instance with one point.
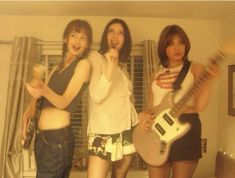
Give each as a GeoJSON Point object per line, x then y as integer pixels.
{"type": "Point", "coordinates": [145, 118]}
{"type": "Point", "coordinates": [80, 76]}
{"type": "Point", "coordinates": [100, 79]}
{"type": "Point", "coordinates": [204, 94]}
{"type": "Point", "coordinates": [150, 93]}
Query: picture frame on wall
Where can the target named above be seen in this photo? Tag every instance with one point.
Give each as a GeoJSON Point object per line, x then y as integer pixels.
{"type": "Point", "coordinates": [231, 90]}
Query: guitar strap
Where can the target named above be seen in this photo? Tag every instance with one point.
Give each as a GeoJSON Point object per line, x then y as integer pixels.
{"type": "Point", "coordinates": [181, 76]}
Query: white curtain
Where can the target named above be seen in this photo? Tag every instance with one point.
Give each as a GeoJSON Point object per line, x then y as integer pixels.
{"type": "Point", "coordinates": [151, 62]}
{"type": "Point", "coordinates": [25, 53]}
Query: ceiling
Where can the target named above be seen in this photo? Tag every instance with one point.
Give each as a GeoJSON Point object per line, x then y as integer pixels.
{"type": "Point", "coordinates": [157, 9]}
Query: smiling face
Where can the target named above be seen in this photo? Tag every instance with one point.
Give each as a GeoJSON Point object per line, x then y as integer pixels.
{"type": "Point", "coordinates": [175, 50]}
{"type": "Point", "coordinates": [77, 43]}
{"type": "Point", "coordinates": [115, 36]}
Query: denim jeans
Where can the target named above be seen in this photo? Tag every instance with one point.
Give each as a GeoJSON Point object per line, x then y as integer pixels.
{"type": "Point", "coordinates": [54, 153]}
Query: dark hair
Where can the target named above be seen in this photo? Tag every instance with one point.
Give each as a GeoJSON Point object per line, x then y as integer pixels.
{"type": "Point", "coordinates": [126, 48]}
{"type": "Point", "coordinates": [165, 39]}
{"type": "Point", "coordinates": [77, 25]}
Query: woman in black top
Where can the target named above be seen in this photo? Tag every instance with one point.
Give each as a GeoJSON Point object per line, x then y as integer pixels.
{"type": "Point", "coordinates": [54, 143]}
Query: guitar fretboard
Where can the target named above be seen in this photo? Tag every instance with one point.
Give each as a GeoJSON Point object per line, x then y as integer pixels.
{"type": "Point", "coordinates": [203, 78]}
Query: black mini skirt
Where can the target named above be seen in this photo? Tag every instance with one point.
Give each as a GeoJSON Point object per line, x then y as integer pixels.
{"type": "Point", "coordinates": [188, 147]}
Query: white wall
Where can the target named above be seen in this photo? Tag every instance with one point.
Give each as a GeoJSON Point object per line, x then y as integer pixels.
{"type": "Point", "coordinates": [204, 35]}
{"type": "Point", "coordinates": [226, 129]}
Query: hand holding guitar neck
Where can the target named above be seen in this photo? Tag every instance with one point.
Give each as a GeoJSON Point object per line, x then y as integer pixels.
{"type": "Point", "coordinates": [213, 68]}
{"type": "Point", "coordinates": [226, 49]}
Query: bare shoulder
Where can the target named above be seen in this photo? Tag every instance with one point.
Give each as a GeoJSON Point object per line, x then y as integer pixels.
{"type": "Point", "coordinates": [93, 53]}
{"type": "Point", "coordinates": [94, 56]}
{"type": "Point", "coordinates": [83, 64]}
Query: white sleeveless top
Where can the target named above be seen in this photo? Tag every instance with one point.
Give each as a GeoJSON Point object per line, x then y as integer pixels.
{"type": "Point", "coordinates": [163, 83]}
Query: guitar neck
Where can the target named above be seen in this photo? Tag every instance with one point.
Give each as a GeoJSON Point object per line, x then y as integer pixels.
{"type": "Point", "coordinates": [203, 78]}
{"type": "Point", "coordinates": [181, 104]}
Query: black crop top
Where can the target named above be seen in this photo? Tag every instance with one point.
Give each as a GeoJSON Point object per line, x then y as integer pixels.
{"type": "Point", "coordinates": [59, 82]}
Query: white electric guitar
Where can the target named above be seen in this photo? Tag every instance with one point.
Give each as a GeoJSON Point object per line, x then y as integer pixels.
{"type": "Point", "coordinates": [154, 145]}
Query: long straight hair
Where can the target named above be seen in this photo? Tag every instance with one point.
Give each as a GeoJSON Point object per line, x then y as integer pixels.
{"type": "Point", "coordinates": [126, 48]}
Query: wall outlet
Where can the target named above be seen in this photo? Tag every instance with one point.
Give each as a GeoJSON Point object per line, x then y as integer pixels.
{"type": "Point", "coordinates": [204, 145]}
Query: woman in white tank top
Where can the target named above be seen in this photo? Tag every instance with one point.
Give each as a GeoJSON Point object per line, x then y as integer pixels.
{"type": "Point", "coordinates": [173, 49]}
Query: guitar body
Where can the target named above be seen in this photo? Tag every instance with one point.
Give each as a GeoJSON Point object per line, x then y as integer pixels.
{"type": "Point", "coordinates": [32, 125]}
{"type": "Point", "coordinates": [154, 145]}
